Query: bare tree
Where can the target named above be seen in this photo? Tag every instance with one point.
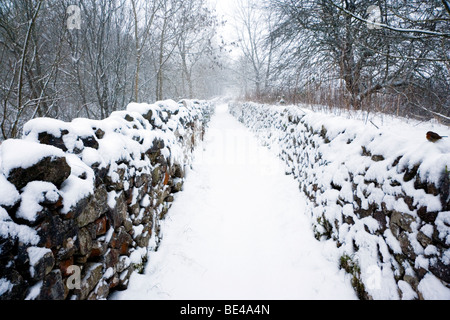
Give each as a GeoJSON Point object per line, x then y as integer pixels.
{"type": "Point", "coordinates": [32, 67]}
{"type": "Point", "coordinates": [254, 26]}
{"type": "Point", "coordinates": [197, 27]}
{"type": "Point", "coordinates": [404, 49]}
{"type": "Point", "coordinates": [150, 9]}
{"type": "Point", "coordinates": [124, 50]}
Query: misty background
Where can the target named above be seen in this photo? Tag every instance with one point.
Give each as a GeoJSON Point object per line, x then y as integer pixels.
{"type": "Point", "coordinates": [87, 58]}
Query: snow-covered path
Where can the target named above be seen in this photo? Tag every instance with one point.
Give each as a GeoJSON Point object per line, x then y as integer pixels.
{"type": "Point", "coordinates": [238, 231]}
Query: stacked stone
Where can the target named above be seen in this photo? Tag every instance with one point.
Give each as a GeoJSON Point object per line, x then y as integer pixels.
{"type": "Point", "coordinates": [381, 210]}
{"type": "Point", "coordinates": [86, 247]}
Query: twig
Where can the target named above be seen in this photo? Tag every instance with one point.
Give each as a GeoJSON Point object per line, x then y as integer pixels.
{"type": "Point", "coordinates": [374, 124]}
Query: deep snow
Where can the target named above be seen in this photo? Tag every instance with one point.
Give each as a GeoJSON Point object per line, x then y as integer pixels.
{"type": "Point", "coordinates": [238, 231]}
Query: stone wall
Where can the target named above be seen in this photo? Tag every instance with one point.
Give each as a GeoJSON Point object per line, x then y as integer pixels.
{"type": "Point", "coordinates": [381, 197]}
{"type": "Point", "coordinates": [81, 202]}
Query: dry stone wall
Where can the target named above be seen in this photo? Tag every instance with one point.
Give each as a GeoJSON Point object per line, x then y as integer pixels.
{"type": "Point", "coordinates": [382, 200]}
{"type": "Point", "coordinates": [81, 202]}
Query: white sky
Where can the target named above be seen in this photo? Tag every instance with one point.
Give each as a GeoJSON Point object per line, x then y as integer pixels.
{"type": "Point", "coordinates": [224, 7]}
{"type": "Point", "coordinates": [225, 10]}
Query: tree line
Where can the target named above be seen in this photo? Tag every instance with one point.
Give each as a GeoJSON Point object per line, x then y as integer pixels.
{"type": "Point", "coordinates": [86, 58]}
{"type": "Point", "coordinates": [390, 56]}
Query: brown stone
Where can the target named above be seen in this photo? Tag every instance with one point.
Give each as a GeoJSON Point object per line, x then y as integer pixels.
{"type": "Point", "coordinates": [98, 249]}
{"type": "Point", "coordinates": [90, 142]}
{"type": "Point", "coordinates": [121, 240]}
{"type": "Point", "coordinates": [53, 231]}
{"type": "Point", "coordinates": [166, 178]}
{"type": "Point", "coordinates": [411, 173]}
{"type": "Point", "coordinates": [101, 225]}
{"type": "Point", "coordinates": [377, 158]}
{"type": "Point", "coordinates": [99, 133]}
{"type": "Point", "coordinates": [64, 266]}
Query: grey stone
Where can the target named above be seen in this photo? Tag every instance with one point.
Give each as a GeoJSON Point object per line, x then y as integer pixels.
{"type": "Point", "coordinates": [49, 139]}
{"type": "Point", "coordinates": [440, 269]}
{"type": "Point", "coordinates": [95, 208]}
{"type": "Point", "coordinates": [125, 278]}
{"type": "Point", "coordinates": [100, 291]}
{"type": "Point", "coordinates": [402, 220]}
{"type": "Point", "coordinates": [92, 275]}
{"type": "Point", "coordinates": [84, 242]}
{"type": "Point", "coordinates": [406, 246]}
{"type": "Point", "coordinates": [123, 263]}
{"type": "Point", "coordinates": [39, 269]}
{"type": "Point", "coordinates": [52, 287]}
{"type": "Point", "coordinates": [119, 213]}
{"type": "Point", "coordinates": [142, 179]}
{"type": "Point", "coordinates": [426, 216]}
{"type": "Point", "coordinates": [49, 169]}
{"type": "Point", "coordinates": [423, 239]}
{"type": "Point", "coordinates": [143, 239]}
{"type": "Point", "coordinates": [17, 284]}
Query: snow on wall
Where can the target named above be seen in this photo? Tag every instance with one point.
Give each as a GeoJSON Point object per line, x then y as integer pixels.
{"type": "Point", "coordinates": [382, 194]}
{"type": "Point", "coordinates": [80, 202]}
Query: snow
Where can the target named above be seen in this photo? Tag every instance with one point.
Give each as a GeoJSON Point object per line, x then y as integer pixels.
{"type": "Point", "coordinates": [138, 255]}
{"type": "Point", "coordinates": [112, 197]}
{"type": "Point", "coordinates": [33, 194]}
{"type": "Point", "coordinates": [407, 292]}
{"type": "Point", "coordinates": [433, 289]}
{"type": "Point", "coordinates": [5, 286]}
{"type": "Point", "coordinates": [332, 148]}
{"type": "Point", "coordinates": [34, 291]}
{"type": "Point", "coordinates": [76, 188]}
{"type": "Point", "coordinates": [35, 254]}
{"type": "Point", "coordinates": [52, 126]}
{"type": "Point", "coordinates": [23, 153]}
{"type": "Point", "coordinates": [241, 229]}
{"type": "Point", "coordinates": [9, 195]}
{"type": "Point", "coordinates": [442, 222]}
{"type": "Point", "coordinates": [238, 231]}
{"type": "Point", "coordinates": [12, 230]}
{"type": "Point", "coordinates": [137, 230]}
{"type": "Point", "coordinates": [108, 273]}
{"type": "Point", "coordinates": [394, 137]}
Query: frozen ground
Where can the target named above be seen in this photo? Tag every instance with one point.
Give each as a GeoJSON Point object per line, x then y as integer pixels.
{"type": "Point", "coordinates": [238, 231]}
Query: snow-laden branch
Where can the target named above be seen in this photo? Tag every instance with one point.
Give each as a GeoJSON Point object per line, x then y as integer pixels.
{"type": "Point", "coordinates": [396, 29]}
